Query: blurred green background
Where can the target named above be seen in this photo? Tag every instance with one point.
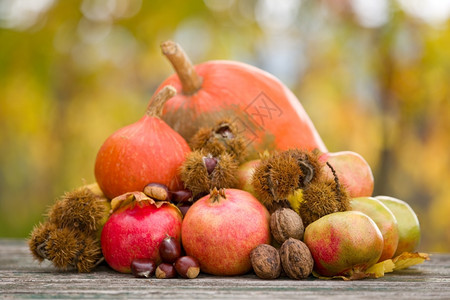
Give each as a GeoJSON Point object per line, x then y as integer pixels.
{"type": "Point", "coordinates": [374, 77]}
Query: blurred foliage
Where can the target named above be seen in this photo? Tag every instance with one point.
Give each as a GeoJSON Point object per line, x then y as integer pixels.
{"type": "Point", "coordinates": [374, 80]}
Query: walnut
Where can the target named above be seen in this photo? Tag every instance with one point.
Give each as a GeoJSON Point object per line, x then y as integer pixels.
{"type": "Point", "coordinates": [266, 261]}
{"type": "Point", "coordinates": [296, 259]}
{"type": "Point", "coordinates": [286, 223]}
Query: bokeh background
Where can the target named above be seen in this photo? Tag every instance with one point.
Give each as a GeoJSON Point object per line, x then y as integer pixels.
{"type": "Point", "coordinates": [374, 77]}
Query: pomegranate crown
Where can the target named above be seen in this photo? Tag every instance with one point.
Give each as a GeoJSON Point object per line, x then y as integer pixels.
{"type": "Point", "coordinates": [217, 194]}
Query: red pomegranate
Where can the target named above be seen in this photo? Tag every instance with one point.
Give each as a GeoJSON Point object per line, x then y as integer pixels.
{"type": "Point", "coordinates": [222, 228]}
{"type": "Point", "coordinates": [136, 229]}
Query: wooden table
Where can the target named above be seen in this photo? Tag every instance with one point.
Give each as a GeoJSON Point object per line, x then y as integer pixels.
{"type": "Point", "coordinates": [23, 277]}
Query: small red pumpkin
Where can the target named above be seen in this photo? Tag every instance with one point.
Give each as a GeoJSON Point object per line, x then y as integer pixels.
{"type": "Point", "coordinates": [143, 152]}
{"type": "Point", "coordinates": [264, 109]}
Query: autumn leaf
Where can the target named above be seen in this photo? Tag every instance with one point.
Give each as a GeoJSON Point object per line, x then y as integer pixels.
{"type": "Point", "coordinates": [408, 259]}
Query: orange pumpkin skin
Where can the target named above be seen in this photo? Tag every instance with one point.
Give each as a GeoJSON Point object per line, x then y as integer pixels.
{"type": "Point", "coordinates": [143, 152]}
{"type": "Point", "coordinates": [138, 154]}
{"type": "Point", "coordinates": [264, 109]}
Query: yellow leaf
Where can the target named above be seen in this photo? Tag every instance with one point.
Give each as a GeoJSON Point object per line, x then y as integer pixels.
{"type": "Point", "coordinates": [408, 259]}
{"type": "Point", "coordinates": [295, 199]}
{"type": "Point", "coordinates": [378, 270]}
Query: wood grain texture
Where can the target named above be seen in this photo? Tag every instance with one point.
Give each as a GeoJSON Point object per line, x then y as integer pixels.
{"type": "Point", "coordinates": [23, 277]}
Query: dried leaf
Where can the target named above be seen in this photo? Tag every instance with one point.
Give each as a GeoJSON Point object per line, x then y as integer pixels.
{"type": "Point", "coordinates": [378, 270]}
{"type": "Point", "coordinates": [139, 198]}
{"type": "Point", "coordinates": [126, 199]}
{"type": "Point", "coordinates": [408, 259]}
{"type": "Point", "coordinates": [354, 276]}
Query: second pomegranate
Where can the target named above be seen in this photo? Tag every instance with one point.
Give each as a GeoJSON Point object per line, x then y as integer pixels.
{"type": "Point", "coordinates": [221, 229]}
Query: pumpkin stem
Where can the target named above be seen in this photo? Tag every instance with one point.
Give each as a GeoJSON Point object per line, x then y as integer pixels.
{"type": "Point", "coordinates": [155, 107]}
{"type": "Point", "coordinates": [190, 80]}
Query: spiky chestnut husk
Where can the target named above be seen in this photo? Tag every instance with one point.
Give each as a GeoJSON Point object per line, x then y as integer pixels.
{"type": "Point", "coordinates": [70, 248]}
{"type": "Point", "coordinates": [309, 163]}
{"type": "Point", "coordinates": [198, 179]}
{"type": "Point", "coordinates": [84, 208]}
{"type": "Point", "coordinates": [224, 137]}
{"type": "Point", "coordinates": [322, 198]}
{"type": "Point", "coordinates": [273, 179]}
{"type": "Point", "coordinates": [69, 237]}
{"type": "Point", "coordinates": [38, 238]}
{"type": "Point", "coordinates": [280, 174]}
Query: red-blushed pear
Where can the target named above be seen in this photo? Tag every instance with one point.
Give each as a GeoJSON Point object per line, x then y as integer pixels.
{"type": "Point", "coordinates": [245, 173]}
{"type": "Point", "coordinates": [408, 224]}
{"type": "Point", "coordinates": [344, 244]}
{"type": "Point", "coordinates": [221, 229]}
{"type": "Point", "coordinates": [352, 170]}
{"type": "Point", "coordinates": [385, 220]}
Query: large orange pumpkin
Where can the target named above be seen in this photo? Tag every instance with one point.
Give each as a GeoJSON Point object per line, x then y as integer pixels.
{"type": "Point", "coordinates": [264, 109]}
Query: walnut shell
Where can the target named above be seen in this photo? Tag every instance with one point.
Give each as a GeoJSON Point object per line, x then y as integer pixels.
{"type": "Point", "coordinates": [266, 261]}
{"type": "Point", "coordinates": [296, 259]}
{"type": "Point", "coordinates": [286, 223]}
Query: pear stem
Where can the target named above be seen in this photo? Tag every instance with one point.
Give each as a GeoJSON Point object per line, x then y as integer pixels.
{"type": "Point", "coordinates": [190, 80]}
{"type": "Point", "coordinates": [155, 107]}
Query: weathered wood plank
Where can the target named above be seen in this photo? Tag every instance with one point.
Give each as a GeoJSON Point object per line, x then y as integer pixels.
{"type": "Point", "coordinates": [22, 277]}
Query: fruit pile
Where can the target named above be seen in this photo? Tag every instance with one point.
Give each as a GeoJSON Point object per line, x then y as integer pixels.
{"type": "Point", "coordinates": [224, 174]}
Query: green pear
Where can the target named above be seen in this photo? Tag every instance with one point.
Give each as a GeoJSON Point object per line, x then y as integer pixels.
{"type": "Point", "coordinates": [385, 220]}
{"type": "Point", "coordinates": [408, 224]}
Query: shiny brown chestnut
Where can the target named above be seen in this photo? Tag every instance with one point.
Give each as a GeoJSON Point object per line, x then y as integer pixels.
{"type": "Point", "coordinates": [143, 267]}
{"type": "Point", "coordinates": [210, 163]}
{"type": "Point", "coordinates": [169, 249]}
{"type": "Point", "coordinates": [165, 271]}
{"type": "Point", "coordinates": [181, 196]}
{"type": "Point", "coordinates": [157, 191]}
{"type": "Point", "coordinates": [187, 267]}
